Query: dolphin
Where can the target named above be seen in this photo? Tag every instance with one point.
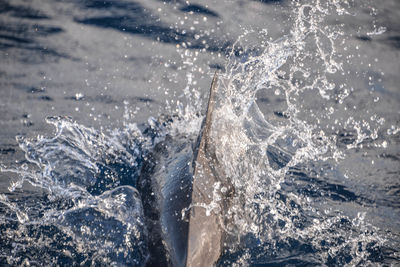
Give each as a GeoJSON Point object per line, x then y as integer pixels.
{"type": "Point", "coordinates": [181, 179]}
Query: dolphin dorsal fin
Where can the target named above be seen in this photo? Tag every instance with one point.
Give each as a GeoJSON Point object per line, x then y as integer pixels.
{"type": "Point", "coordinates": [205, 232]}
{"type": "Point", "coordinates": [210, 109]}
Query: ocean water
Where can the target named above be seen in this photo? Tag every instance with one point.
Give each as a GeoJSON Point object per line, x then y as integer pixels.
{"type": "Point", "coordinates": [102, 102]}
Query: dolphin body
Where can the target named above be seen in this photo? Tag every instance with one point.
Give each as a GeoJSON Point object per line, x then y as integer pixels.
{"type": "Point", "coordinates": [180, 179]}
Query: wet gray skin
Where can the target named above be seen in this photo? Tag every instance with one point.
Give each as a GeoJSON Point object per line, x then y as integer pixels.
{"type": "Point", "coordinates": [206, 236]}
{"type": "Point", "coordinates": [179, 179]}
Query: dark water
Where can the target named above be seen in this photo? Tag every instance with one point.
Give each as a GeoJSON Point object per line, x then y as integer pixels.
{"type": "Point", "coordinates": [101, 98]}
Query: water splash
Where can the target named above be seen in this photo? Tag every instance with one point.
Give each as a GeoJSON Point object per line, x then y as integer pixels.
{"type": "Point", "coordinates": [283, 124]}
{"type": "Point", "coordinates": [280, 160]}
{"type": "Point", "coordinates": [88, 210]}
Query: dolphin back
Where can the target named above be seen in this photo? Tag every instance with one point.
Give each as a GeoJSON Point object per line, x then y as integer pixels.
{"type": "Point", "coordinates": [176, 177]}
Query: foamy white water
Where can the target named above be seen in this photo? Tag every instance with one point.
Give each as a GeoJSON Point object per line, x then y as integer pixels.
{"type": "Point", "coordinates": [304, 129]}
